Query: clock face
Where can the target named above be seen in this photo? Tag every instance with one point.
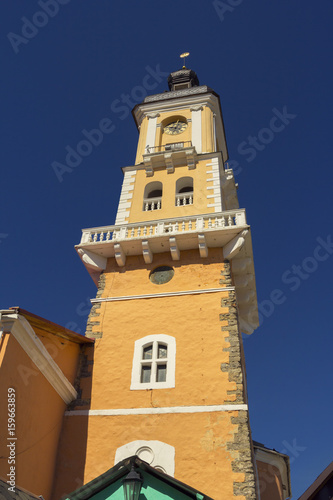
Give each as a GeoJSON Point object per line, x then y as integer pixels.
{"type": "Point", "coordinates": [176, 127]}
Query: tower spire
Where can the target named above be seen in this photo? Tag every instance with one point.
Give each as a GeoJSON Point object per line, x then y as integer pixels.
{"type": "Point", "coordinates": [184, 55]}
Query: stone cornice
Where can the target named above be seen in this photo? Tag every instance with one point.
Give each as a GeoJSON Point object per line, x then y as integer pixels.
{"type": "Point", "coordinates": [201, 89]}
{"type": "Point", "coordinates": [20, 328]}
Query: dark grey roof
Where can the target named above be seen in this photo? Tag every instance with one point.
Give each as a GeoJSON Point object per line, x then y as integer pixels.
{"type": "Point", "coordinates": [202, 89]}
{"type": "Point", "coordinates": [19, 493]}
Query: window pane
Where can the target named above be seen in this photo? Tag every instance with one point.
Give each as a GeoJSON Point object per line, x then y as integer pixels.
{"type": "Point", "coordinates": [161, 373]}
{"type": "Point", "coordinates": [147, 352]}
{"type": "Point", "coordinates": [145, 374]}
{"type": "Point", "coordinates": [162, 351]}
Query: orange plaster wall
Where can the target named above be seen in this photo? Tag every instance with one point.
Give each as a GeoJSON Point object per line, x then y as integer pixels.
{"type": "Point", "coordinates": [39, 412]}
{"type": "Point", "coordinates": [191, 273]}
{"type": "Point", "coordinates": [270, 482]}
{"type": "Point", "coordinates": [194, 320]}
{"type": "Point", "coordinates": [199, 439]}
{"type": "Point", "coordinates": [72, 456]}
{"type": "Point", "coordinates": [63, 352]}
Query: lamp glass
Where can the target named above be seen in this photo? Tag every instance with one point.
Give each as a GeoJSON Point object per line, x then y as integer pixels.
{"type": "Point", "coordinates": [132, 485]}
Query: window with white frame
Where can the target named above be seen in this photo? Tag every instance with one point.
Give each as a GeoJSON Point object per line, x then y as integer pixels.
{"type": "Point", "coordinates": [154, 362]}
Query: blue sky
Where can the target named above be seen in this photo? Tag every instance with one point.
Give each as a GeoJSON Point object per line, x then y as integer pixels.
{"type": "Point", "coordinates": [263, 59]}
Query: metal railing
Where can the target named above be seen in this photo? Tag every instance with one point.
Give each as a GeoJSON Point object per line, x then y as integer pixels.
{"type": "Point", "coordinates": [174, 146]}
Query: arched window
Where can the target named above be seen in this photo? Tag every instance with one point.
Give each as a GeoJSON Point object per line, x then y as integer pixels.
{"type": "Point", "coordinates": [154, 363]}
{"type": "Point", "coordinates": [156, 453]}
{"type": "Point", "coordinates": [152, 199]}
{"type": "Point", "coordinates": [184, 191]}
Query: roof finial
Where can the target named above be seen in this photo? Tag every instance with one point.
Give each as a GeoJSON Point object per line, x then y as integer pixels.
{"type": "Point", "coordinates": [184, 55]}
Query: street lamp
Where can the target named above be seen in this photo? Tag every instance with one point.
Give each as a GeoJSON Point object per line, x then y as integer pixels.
{"type": "Point", "coordinates": [132, 485]}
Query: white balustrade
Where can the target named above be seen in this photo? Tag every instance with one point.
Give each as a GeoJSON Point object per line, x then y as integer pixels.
{"type": "Point", "coordinates": [220, 221]}
{"type": "Point", "coordinates": [152, 204]}
{"type": "Point", "coordinates": [184, 199]}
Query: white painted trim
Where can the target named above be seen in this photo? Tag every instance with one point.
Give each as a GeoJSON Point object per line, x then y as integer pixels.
{"type": "Point", "coordinates": [21, 329]}
{"type": "Point", "coordinates": [151, 132]}
{"type": "Point", "coordinates": [125, 196]}
{"type": "Point", "coordinates": [92, 260]}
{"type": "Point", "coordinates": [214, 131]}
{"type": "Point", "coordinates": [235, 245]}
{"type": "Point", "coordinates": [169, 361]}
{"type": "Point", "coordinates": [157, 411]}
{"type": "Point", "coordinates": [124, 204]}
{"type": "Point", "coordinates": [121, 218]}
{"type": "Point", "coordinates": [159, 295]}
{"type": "Point", "coordinates": [197, 128]}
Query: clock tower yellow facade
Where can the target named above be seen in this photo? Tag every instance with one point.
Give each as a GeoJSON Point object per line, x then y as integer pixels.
{"type": "Point", "coordinates": [166, 379]}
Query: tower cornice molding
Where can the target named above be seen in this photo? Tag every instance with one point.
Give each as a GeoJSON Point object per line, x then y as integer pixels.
{"type": "Point", "coordinates": [201, 89]}
{"type": "Point", "coordinates": [143, 109]}
{"type": "Point", "coordinates": [196, 108]}
{"type": "Point", "coordinates": [152, 115]}
{"type": "Point", "coordinates": [201, 156]}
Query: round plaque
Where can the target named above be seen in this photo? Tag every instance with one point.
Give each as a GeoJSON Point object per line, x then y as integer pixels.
{"type": "Point", "coordinates": [146, 454]}
{"type": "Point", "coordinates": [161, 275]}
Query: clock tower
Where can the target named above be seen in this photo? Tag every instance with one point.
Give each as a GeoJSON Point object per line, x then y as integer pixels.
{"type": "Point", "coordinates": [176, 288]}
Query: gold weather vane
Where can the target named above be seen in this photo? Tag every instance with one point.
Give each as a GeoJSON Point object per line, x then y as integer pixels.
{"type": "Point", "coordinates": [184, 55]}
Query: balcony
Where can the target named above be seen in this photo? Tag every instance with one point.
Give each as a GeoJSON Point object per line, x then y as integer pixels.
{"type": "Point", "coordinates": [225, 230]}
{"type": "Point", "coordinates": [169, 155]}
{"type": "Point", "coordinates": [216, 229]}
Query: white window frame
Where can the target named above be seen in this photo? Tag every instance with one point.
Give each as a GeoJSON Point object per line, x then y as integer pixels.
{"type": "Point", "coordinates": [138, 361]}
